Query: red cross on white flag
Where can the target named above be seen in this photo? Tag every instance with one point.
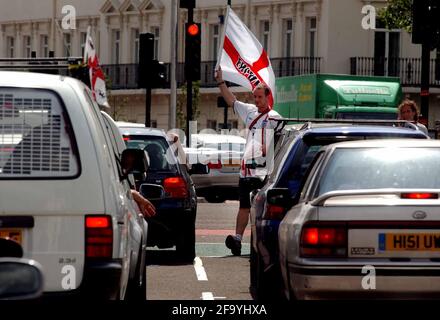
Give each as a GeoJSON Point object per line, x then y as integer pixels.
{"type": "Point", "coordinates": [97, 78]}
{"type": "Point", "coordinates": [242, 58]}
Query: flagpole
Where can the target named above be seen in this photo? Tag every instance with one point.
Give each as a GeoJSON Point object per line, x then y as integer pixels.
{"type": "Point", "coordinates": [222, 39]}
{"type": "Point", "coordinates": [173, 58]}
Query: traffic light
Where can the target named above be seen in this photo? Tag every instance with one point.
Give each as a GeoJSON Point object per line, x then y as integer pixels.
{"type": "Point", "coordinates": [426, 22]}
{"type": "Point", "coordinates": [159, 72]}
{"type": "Point", "coordinates": [151, 73]}
{"type": "Point", "coordinates": [188, 4]}
{"type": "Point", "coordinates": [192, 51]}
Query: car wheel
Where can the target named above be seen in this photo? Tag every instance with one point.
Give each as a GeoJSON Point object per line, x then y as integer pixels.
{"type": "Point", "coordinates": [268, 286]}
{"type": "Point", "coordinates": [186, 243]}
{"type": "Point", "coordinates": [215, 198]}
{"type": "Point", "coordinates": [136, 289]}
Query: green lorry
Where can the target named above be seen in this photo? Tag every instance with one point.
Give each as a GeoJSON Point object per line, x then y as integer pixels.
{"type": "Point", "coordinates": [337, 96]}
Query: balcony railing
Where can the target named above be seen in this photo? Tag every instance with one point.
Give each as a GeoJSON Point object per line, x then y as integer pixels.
{"type": "Point", "coordinates": [124, 76]}
{"type": "Point", "coordinates": [409, 70]}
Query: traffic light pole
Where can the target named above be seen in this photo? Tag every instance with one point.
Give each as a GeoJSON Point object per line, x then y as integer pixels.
{"type": "Point", "coordinates": [189, 114]}
{"type": "Point", "coordinates": [148, 107]}
{"type": "Point", "coordinates": [424, 88]}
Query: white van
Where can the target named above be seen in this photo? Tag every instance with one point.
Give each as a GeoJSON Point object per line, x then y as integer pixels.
{"type": "Point", "coordinates": [64, 196]}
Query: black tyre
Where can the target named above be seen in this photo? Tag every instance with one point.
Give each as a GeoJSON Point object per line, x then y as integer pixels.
{"type": "Point", "coordinates": [137, 289]}
{"type": "Point", "coordinates": [215, 198]}
{"type": "Point", "coordinates": [186, 242]}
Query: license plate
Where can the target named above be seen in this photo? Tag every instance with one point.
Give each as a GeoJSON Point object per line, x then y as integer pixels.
{"type": "Point", "coordinates": [12, 234]}
{"type": "Point", "coordinates": [409, 241]}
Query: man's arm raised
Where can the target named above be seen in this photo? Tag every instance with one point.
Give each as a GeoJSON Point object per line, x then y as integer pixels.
{"type": "Point", "coordinates": [224, 90]}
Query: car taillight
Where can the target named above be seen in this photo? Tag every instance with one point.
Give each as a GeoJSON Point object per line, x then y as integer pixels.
{"type": "Point", "coordinates": [215, 165]}
{"type": "Point", "coordinates": [419, 195]}
{"type": "Point", "coordinates": [126, 138]}
{"type": "Point", "coordinates": [99, 236]}
{"type": "Point", "coordinates": [323, 240]}
{"type": "Point", "coordinates": [274, 212]}
{"type": "Point", "coordinates": [175, 187]}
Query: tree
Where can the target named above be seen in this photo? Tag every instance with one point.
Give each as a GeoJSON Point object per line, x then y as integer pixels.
{"type": "Point", "coordinates": [397, 14]}
{"type": "Point", "coordinates": [181, 104]}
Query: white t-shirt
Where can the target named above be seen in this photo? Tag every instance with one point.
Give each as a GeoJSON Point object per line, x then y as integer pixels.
{"type": "Point", "coordinates": [259, 141]}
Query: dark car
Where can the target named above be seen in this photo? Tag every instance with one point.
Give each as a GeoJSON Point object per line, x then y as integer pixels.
{"type": "Point", "coordinates": [294, 151]}
{"type": "Point", "coordinates": [174, 222]}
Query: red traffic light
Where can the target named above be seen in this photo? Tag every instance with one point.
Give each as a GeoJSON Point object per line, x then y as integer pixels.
{"type": "Point", "coordinates": [193, 29]}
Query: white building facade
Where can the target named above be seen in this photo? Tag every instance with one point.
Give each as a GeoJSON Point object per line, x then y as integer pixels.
{"type": "Point", "coordinates": [300, 36]}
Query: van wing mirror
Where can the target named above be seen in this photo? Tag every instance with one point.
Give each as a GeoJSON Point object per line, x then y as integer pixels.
{"type": "Point", "coordinates": [134, 161]}
{"type": "Point", "coordinates": [279, 197]}
{"type": "Point", "coordinates": [152, 191]}
{"type": "Point", "coordinates": [199, 168]}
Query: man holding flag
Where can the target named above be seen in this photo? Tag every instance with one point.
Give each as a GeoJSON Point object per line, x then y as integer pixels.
{"type": "Point", "coordinates": [242, 60]}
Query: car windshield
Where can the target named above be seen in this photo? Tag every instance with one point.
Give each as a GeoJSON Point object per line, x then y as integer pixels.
{"type": "Point", "coordinates": [161, 157]}
{"type": "Point", "coordinates": [377, 168]}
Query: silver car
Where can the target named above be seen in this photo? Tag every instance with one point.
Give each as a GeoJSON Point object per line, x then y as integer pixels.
{"type": "Point", "coordinates": [367, 224]}
{"type": "Point", "coordinates": [222, 153]}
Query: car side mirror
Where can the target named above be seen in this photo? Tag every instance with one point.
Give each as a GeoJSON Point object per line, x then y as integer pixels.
{"type": "Point", "coordinates": [279, 197]}
{"type": "Point", "coordinates": [152, 191]}
{"type": "Point", "coordinates": [135, 161]}
{"type": "Point", "coordinates": [20, 279]}
{"type": "Point", "coordinates": [199, 168]}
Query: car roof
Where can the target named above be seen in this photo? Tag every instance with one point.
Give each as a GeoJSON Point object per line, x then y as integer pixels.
{"type": "Point", "coordinates": [381, 143]}
{"type": "Point", "coordinates": [369, 130]}
{"type": "Point", "coordinates": [131, 128]}
{"type": "Point", "coordinates": [35, 80]}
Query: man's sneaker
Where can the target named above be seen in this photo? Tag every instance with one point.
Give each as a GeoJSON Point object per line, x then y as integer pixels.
{"type": "Point", "coordinates": [234, 245]}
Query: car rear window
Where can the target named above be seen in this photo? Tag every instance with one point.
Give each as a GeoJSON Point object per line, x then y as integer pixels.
{"type": "Point", "coordinates": [377, 168]}
{"type": "Point", "coordinates": [35, 136]}
{"type": "Point", "coordinates": [158, 151]}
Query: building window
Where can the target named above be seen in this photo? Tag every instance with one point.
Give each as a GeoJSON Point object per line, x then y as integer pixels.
{"type": "Point", "coordinates": [10, 42]}
{"type": "Point", "coordinates": [264, 27]}
{"type": "Point", "coordinates": [82, 39]}
{"type": "Point", "coordinates": [156, 32]}
{"type": "Point", "coordinates": [214, 28]}
{"type": "Point", "coordinates": [211, 124]}
{"type": "Point", "coordinates": [386, 50]}
{"type": "Point", "coordinates": [116, 46]}
{"type": "Point", "coordinates": [27, 47]}
{"type": "Point", "coordinates": [67, 43]}
{"type": "Point", "coordinates": [44, 46]}
{"type": "Point", "coordinates": [311, 37]}
{"type": "Point", "coordinates": [135, 42]}
{"type": "Point", "coordinates": [287, 44]}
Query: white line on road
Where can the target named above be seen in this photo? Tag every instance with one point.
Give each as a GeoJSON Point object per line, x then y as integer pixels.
{"type": "Point", "coordinates": [200, 270]}
{"type": "Point", "coordinates": [207, 296]}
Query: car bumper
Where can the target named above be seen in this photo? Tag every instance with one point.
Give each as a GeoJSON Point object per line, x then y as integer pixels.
{"type": "Point", "coordinates": [350, 283]}
{"type": "Point", "coordinates": [218, 180]}
{"type": "Point", "coordinates": [101, 280]}
{"type": "Point", "coordinates": [164, 228]}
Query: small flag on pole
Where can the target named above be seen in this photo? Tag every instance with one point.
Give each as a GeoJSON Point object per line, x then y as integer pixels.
{"type": "Point", "coordinates": [97, 78]}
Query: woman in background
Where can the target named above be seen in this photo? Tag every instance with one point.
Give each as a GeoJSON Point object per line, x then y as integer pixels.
{"type": "Point", "coordinates": [409, 111]}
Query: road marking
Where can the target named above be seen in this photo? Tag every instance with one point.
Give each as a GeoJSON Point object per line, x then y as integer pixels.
{"type": "Point", "coordinates": [200, 270]}
{"type": "Point", "coordinates": [207, 296]}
